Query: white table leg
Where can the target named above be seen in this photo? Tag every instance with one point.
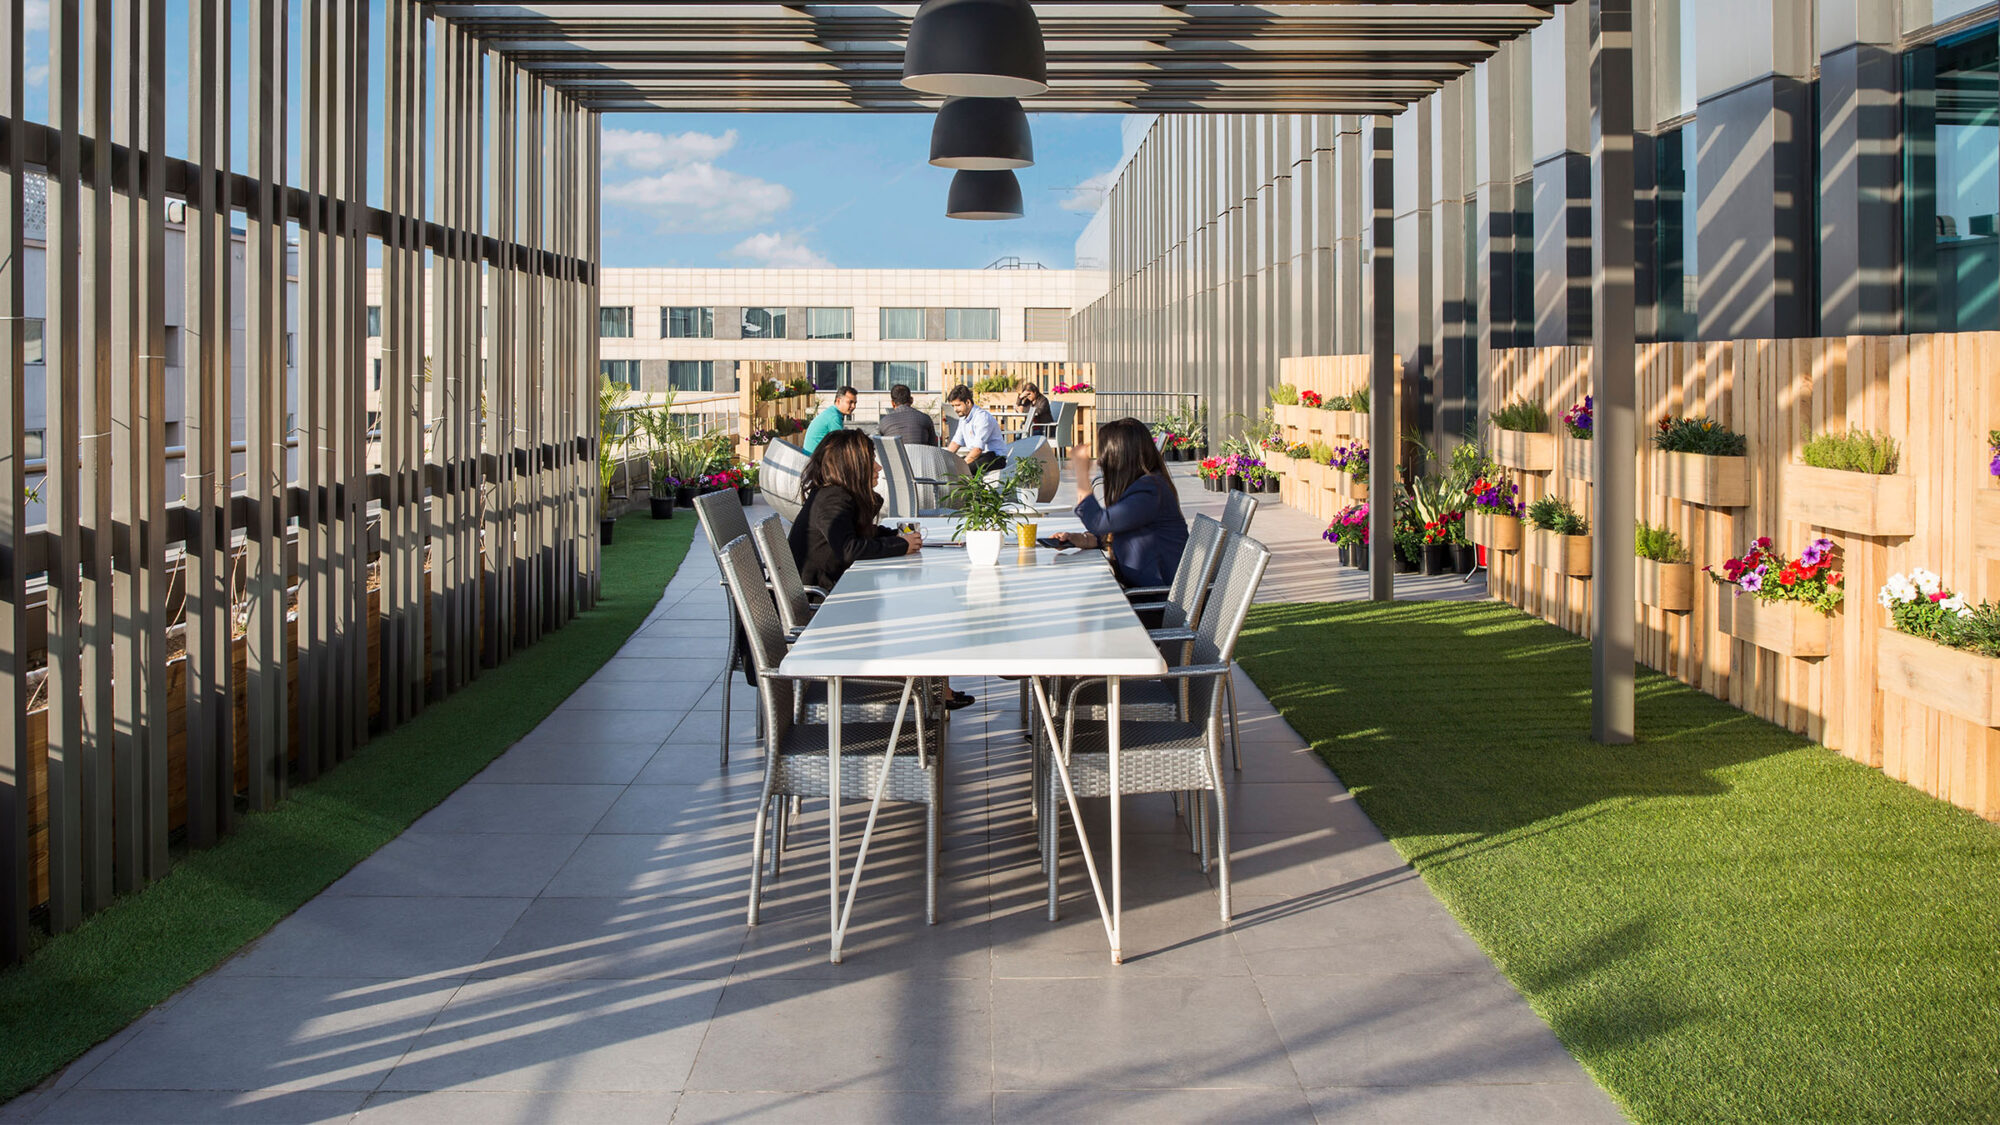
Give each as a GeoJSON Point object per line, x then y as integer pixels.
{"type": "Point", "coordinates": [1075, 815]}
{"type": "Point", "coordinates": [1112, 699]}
{"type": "Point", "coordinates": [833, 817]}
{"type": "Point", "coordinates": [868, 829]}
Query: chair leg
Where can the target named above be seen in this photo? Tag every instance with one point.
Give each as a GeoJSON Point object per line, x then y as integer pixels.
{"type": "Point", "coordinates": [1052, 844]}
{"type": "Point", "coordinates": [757, 858]}
{"type": "Point", "coordinates": [728, 674]}
{"type": "Point", "coordinates": [932, 815]}
{"type": "Point", "coordinates": [1222, 828]}
{"type": "Point", "coordinates": [1229, 689]}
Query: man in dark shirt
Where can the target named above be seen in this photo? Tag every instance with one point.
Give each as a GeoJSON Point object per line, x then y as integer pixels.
{"type": "Point", "coordinates": [904, 421]}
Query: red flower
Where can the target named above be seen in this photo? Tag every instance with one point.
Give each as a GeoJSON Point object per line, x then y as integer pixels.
{"type": "Point", "coordinates": [1764, 541]}
{"type": "Point", "coordinates": [1937, 596]}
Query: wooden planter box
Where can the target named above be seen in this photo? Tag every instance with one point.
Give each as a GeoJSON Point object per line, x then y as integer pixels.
{"type": "Point", "coordinates": [1358, 425]}
{"type": "Point", "coordinates": [1861, 503]}
{"type": "Point", "coordinates": [1577, 460]}
{"type": "Point", "coordinates": [1085, 400]}
{"type": "Point", "coordinates": [1495, 533]}
{"type": "Point", "coordinates": [1714, 482]}
{"type": "Point", "coordinates": [1986, 521]}
{"type": "Point", "coordinates": [1786, 628]}
{"type": "Point", "coordinates": [1667, 586]}
{"type": "Point", "coordinates": [1355, 487]}
{"type": "Point", "coordinates": [1567, 555]}
{"type": "Point", "coordinates": [1531, 453]}
{"type": "Point", "coordinates": [1951, 680]}
{"type": "Point", "coordinates": [1339, 423]}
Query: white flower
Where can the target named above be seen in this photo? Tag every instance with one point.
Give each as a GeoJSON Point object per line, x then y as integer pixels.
{"type": "Point", "coordinates": [1901, 588]}
{"type": "Point", "coordinates": [1926, 582]}
{"type": "Point", "coordinates": [1953, 604]}
{"type": "Point", "coordinates": [1887, 599]}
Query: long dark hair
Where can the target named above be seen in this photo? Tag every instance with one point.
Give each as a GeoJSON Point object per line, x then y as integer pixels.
{"type": "Point", "coordinates": [846, 459]}
{"type": "Point", "coordinates": [1126, 451]}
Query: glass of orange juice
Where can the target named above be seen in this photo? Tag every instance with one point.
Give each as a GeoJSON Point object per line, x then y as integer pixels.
{"type": "Point", "coordinates": [1024, 534]}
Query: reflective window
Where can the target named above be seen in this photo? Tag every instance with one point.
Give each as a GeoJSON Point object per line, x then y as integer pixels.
{"type": "Point", "coordinates": [972, 324]}
{"type": "Point", "coordinates": [1951, 132]}
{"type": "Point", "coordinates": [31, 341]}
{"type": "Point", "coordinates": [763, 324]}
{"type": "Point", "coordinates": [829, 324]}
{"type": "Point", "coordinates": [687, 322]}
{"type": "Point", "coordinates": [691, 374]}
{"type": "Point", "coordinates": [1045, 326]}
{"type": "Point", "coordinates": [374, 320]}
{"type": "Point", "coordinates": [828, 374]}
{"type": "Point", "coordinates": [33, 447]}
{"type": "Point", "coordinates": [1675, 229]}
{"type": "Point", "coordinates": [909, 373]}
{"type": "Point", "coordinates": [624, 371]}
{"type": "Point", "coordinates": [902, 324]}
{"type": "Point", "coordinates": [615, 322]}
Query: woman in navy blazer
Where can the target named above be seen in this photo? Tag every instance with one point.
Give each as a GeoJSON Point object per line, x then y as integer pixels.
{"type": "Point", "coordinates": [1140, 520]}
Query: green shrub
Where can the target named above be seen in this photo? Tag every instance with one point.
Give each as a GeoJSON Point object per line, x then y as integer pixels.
{"type": "Point", "coordinates": [1337, 402]}
{"type": "Point", "coordinates": [1522, 416]}
{"type": "Point", "coordinates": [1853, 452]}
{"type": "Point", "coordinates": [1358, 400]}
{"type": "Point", "coordinates": [1552, 513]}
{"type": "Point", "coordinates": [1659, 544]}
{"type": "Point", "coordinates": [1704, 436]}
{"type": "Point", "coordinates": [1320, 451]}
{"type": "Point", "coordinates": [1284, 394]}
{"type": "Point", "coordinates": [1981, 631]}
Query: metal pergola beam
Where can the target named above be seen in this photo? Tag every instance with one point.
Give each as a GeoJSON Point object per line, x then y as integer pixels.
{"type": "Point", "coordinates": [1614, 450]}
{"type": "Point", "coordinates": [1362, 57]}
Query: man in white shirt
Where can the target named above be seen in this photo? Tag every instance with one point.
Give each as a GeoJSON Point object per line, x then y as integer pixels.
{"type": "Point", "coordinates": [977, 441]}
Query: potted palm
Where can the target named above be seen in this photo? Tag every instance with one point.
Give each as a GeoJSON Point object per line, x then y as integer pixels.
{"type": "Point", "coordinates": [987, 503]}
{"type": "Point", "coordinates": [610, 396]}
{"type": "Point", "coordinates": [661, 438]}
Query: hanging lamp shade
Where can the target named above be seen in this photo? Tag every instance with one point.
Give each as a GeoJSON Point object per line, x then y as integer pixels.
{"type": "Point", "coordinates": [982, 133]}
{"type": "Point", "coordinates": [976, 49]}
{"type": "Point", "coordinates": [984, 195]}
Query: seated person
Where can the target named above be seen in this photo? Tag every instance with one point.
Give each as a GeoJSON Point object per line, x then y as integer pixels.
{"type": "Point", "coordinates": [831, 420]}
{"type": "Point", "coordinates": [1041, 416]}
{"type": "Point", "coordinates": [978, 441]}
{"type": "Point", "coordinates": [904, 421]}
{"type": "Point", "coordinates": [1140, 520]}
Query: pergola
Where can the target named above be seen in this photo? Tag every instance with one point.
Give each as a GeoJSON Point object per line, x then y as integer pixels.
{"type": "Point", "coordinates": [478, 511]}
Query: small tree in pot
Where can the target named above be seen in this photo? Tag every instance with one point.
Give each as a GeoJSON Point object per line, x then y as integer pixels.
{"type": "Point", "coordinates": [610, 397]}
{"type": "Point", "coordinates": [987, 502]}
{"type": "Point", "coordinates": [662, 435]}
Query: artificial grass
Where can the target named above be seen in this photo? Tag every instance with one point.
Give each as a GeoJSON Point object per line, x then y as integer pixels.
{"type": "Point", "coordinates": [1722, 922]}
{"type": "Point", "coordinates": [81, 987]}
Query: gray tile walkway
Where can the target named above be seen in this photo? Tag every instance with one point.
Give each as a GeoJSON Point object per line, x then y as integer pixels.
{"type": "Point", "coordinates": [563, 940]}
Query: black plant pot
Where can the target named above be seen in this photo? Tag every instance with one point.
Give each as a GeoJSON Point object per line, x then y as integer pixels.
{"type": "Point", "coordinates": [1235, 482]}
{"type": "Point", "coordinates": [1403, 563]}
{"type": "Point", "coordinates": [1464, 556]}
{"type": "Point", "coordinates": [1254, 484]}
{"type": "Point", "coordinates": [744, 493]}
{"type": "Point", "coordinates": [1212, 484]}
{"type": "Point", "coordinates": [684, 496]}
{"type": "Point", "coordinates": [605, 526]}
{"type": "Point", "coordinates": [1437, 558]}
{"type": "Point", "coordinates": [1345, 551]}
{"type": "Point", "coordinates": [1358, 557]}
{"type": "Point", "coordinates": [662, 506]}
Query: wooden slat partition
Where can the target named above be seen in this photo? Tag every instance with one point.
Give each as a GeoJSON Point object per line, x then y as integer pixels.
{"type": "Point", "coordinates": [1936, 395]}
{"type": "Point", "coordinates": [353, 597]}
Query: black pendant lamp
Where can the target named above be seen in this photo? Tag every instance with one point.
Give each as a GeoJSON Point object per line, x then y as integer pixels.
{"type": "Point", "coordinates": [976, 49]}
{"type": "Point", "coordinates": [983, 134]}
{"type": "Point", "coordinates": [984, 195]}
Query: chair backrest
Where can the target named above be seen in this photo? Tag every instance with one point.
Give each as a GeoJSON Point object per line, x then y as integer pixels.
{"type": "Point", "coordinates": [787, 588]}
{"type": "Point", "coordinates": [1189, 592]}
{"type": "Point", "coordinates": [782, 478]}
{"type": "Point", "coordinates": [1236, 578]}
{"type": "Point", "coordinates": [1236, 513]}
{"type": "Point", "coordinates": [1065, 425]}
{"type": "Point", "coordinates": [722, 518]}
{"type": "Point", "coordinates": [1035, 447]}
{"type": "Point", "coordinates": [933, 463]}
{"type": "Point", "coordinates": [759, 617]}
{"type": "Point", "coordinates": [899, 486]}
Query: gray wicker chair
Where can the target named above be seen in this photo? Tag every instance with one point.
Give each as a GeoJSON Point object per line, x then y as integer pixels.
{"type": "Point", "coordinates": [796, 760]}
{"type": "Point", "coordinates": [722, 520]}
{"type": "Point", "coordinates": [780, 478]}
{"type": "Point", "coordinates": [1237, 512]}
{"type": "Point", "coordinates": [899, 485]}
{"type": "Point", "coordinates": [1165, 755]}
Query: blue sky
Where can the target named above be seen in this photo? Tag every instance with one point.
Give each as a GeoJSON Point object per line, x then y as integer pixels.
{"type": "Point", "coordinates": [852, 190]}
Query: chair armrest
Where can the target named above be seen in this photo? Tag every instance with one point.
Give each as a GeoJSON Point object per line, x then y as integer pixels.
{"type": "Point", "coordinates": [930, 480]}
{"type": "Point", "coordinates": [1148, 591]}
{"type": "Point", "coordinates": [1184, 672]}
{"type": "Point", "coordinates": [815, 594]}
{"type": "Point", "coordinates": [1175, 634]}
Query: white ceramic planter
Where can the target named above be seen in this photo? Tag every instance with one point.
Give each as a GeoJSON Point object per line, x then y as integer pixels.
{"type": "Point", "coordinates": [982, 548]}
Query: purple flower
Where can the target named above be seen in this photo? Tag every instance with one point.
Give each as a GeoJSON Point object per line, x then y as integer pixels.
{"type": "Point", "coordinates": [1811, 555]}
{"type": "Point", "coordinates": [1753, 581]}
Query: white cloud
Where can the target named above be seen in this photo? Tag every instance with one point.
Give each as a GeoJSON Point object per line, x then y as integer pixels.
{"type": "Point", "coordinates": [770, 250]}
{"type": "Point", "coordinates": [37, 15]}
{"type": "Point", "coordinates": [1087, 195]}
{"type": "Point", "coordinates": [644, 151]}
{"type": "Point", "coordinates": [35, 75]}
{"type": "Point", "coordinates": [700, 196]}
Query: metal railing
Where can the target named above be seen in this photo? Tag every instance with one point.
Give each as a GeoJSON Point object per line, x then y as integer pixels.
{"type": "Point", "coordinates": [1150, 407]}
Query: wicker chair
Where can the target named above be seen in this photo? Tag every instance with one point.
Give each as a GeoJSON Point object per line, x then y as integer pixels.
{"type": "Point", "coordinates": [722, 520]}
{"type": "Point", "coordinates": [796, 759]}
{"type": "Point", "coordinates": [780, 478]}
{"type": "Point", "coordinates": [1237, 512]}
{"type": "Point", "coordinates": [1182, 754]}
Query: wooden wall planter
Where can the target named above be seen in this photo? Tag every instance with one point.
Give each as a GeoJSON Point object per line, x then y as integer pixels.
{"type": "Point", "coordinates": [1667, 586]}
{"type": "Point", "coordinates": [1532, 453]}
{"type": "Point", "coordinates": [1358, 425]}
{"type": "Point", "coordinates": [1085, 400]}
{"type": "Point", "coordinates": [1986, 521]}
{"type": "Point", "coordinates": [1353, 487]}
{"type": "Point", "coordinates": [1568, 555]}
{"type": "Point", "coordinates": [1495, 533]}
{"type": "Point", "coordinates": [1714, 482]}
{"type": "Point", "coordinates": [1577, 460]}
{"type": "Point", "coordinates": [1786, 628]}
{"type": "Point", "coordinates": [1861, 503]}
{"type": "Point", "coordinates": [1951, 680]}
{"type": "Point", "coordinates": [1338, 423]}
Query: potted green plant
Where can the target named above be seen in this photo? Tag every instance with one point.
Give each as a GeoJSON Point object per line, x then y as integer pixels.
{"type": "Point", "coordinates": [986, 503]}
{"type": "Point", "coordinates": [746, 481]}
{"type": "Point", "coordinates": [610, 398]}
{"type": "Point", "coordinates": [1849, 481]}
{"type": "Point", "coordinates": [1430, 500]}
{"type": "Point", "coordinates": [1563, 545]}
{"type": "Point", "coordinates": [1703, 462]}
{"type": "Point", "coordinates": [1665, 570]}
{"type": "Point", "coordinates": [1940, 649]}
{"type": "Point", "coordinates": [662, 434]}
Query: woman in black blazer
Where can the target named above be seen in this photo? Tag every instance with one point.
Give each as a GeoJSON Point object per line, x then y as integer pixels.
{"type": "Point", "coordinates": [1140, 520]}
{"type": "Point", "coordinates": [836, 526]}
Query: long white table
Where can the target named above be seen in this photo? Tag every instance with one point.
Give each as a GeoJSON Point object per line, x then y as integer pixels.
{"type": "Point", "coordinates": [1037, 614]}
